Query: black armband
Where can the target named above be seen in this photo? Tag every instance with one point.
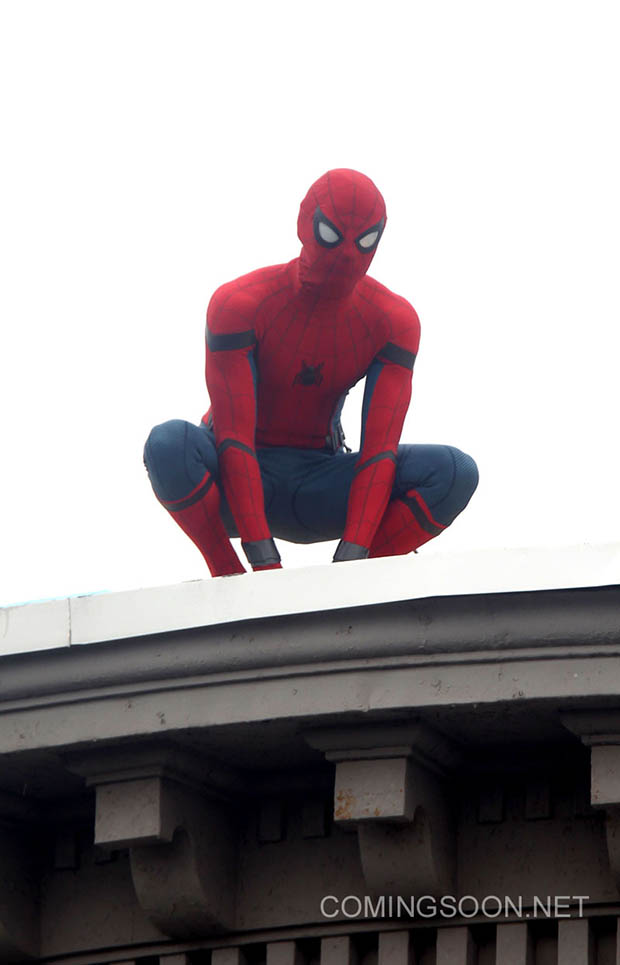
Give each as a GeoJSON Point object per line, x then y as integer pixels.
{"type": "Point", "coordinates": [349, 551]}
{"type": "Point", "coordinates": [262, 552]}
{"type": "Point", "coordinates": [400, 356]}
{"type": "Point", "coordinates": [230, 341]}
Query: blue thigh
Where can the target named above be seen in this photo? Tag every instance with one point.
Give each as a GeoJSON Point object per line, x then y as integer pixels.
{"type": "Point", "coordinates": [445, 478]}
{"type": "Point", "coordinates": [306, 491]}
{"type": "Point", "coordinates": [177, 455]}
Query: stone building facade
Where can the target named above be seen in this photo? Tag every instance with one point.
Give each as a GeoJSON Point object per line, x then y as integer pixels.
{"type": "Point", "coordinates": [244, 771]}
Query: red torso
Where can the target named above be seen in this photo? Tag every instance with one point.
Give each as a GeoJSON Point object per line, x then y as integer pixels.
{"type": "Point", "coordinates": [309, 352]}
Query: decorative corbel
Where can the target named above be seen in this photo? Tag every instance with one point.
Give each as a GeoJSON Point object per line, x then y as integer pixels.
{"type": "Point", "coordinates": [173, 813]}
{"type": "Point", "coordinates": [390, 786]}
{"type": "Point", "coordinates": [600, 731]}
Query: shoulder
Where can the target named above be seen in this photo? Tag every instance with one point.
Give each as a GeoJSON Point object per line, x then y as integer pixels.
{"type": "Point", "coordinates": [396, 316]}
{"type": "Point", "coordinates": [237, 302]}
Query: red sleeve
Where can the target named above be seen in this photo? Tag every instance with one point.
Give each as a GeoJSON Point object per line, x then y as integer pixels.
{"type": "Point", "coordinates": [386, 400]}
{"type": "Point", "coordinates": [231, 381]}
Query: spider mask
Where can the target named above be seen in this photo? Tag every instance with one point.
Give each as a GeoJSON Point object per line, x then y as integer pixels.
{"type": "Point", "coordinates": [340, 223]}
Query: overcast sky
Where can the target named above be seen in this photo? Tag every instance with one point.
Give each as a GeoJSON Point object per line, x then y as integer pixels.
{"type": "Point", "coordinates": [152, 151]}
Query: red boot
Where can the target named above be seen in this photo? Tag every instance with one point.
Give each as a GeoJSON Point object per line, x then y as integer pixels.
{"type": "Point", "coordinates": [198, 515]}
{"type": "Point", "coordinates": [407, 524]}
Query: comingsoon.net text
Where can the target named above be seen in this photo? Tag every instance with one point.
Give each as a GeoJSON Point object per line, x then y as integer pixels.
{"type": "Point", "coordinates": [449, 906]}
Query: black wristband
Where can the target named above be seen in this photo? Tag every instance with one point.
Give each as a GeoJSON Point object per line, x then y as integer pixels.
{"type": "Point", "coordinates": [349, 551]}
{"type": "Point", "coordinates": [262, 552]}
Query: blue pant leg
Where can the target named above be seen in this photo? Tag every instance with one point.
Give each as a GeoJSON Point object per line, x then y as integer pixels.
{"type": "Point", "coordinates": [311, 488]}
{"type": "Point", "coordinates": [306, 492]}
{"type": "Point", "coordinates": [445, 478]}
{"type": "Point", "coordinates": [311, 502]}
{"type": "Point", "coordinates": [177, 455]}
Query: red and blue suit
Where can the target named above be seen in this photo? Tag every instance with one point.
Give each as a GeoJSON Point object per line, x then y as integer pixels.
{"type": "Point", "coordinates": [284, 345]}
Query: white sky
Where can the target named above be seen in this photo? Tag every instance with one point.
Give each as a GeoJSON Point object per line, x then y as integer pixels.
{"type": "Point", "coordinates": [152, 151]}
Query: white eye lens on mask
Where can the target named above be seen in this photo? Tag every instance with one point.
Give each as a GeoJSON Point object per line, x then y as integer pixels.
{"type": "Point", "coordinates": [368, 240]}
{"type": "Point", "coordinates": [327, 234]}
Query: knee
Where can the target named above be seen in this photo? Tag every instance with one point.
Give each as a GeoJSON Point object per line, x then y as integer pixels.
{"type": "Point", "coordinates": [444, 477]}
{"type": "Point", "coordinates": [163, 442]}
{"type": "Point", "coordinates": [465, 473]}
{"type": "Point", "coordinates": [464, 481]}
{"type": "Point", "coordinates": [164, 458]}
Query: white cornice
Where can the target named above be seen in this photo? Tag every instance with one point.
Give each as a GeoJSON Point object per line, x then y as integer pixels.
{"type": "Point", "coordinates": [201, 603]}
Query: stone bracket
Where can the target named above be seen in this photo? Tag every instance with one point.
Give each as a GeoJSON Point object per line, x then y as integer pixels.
{"type": "Point", "coordinates": [390, 786]}
{"type": "Point", "coordinates": [165, 806]}
{"type": "Point", "coordinates": [600, 731]}
{"type": "Point", "coordinates": [138, 812]}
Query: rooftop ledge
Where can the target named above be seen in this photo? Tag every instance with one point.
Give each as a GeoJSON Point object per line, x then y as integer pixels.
{"type": "Point", "coordinates": [99, 618]}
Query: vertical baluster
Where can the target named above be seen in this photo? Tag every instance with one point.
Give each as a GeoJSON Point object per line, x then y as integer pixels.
{"type": "Point", "coordinates": [514, 945]}
{"type": "Point", "coordinates": [180, 959]}
{"type": "Point", "coordinates": [575, 942]}
{"type": "Point", "coordinates": [284, 953]}
{"type": "Point", "coordinates": [395, 948]}
{"type": "Point", "coordinates": [227, 956]}
{"type": "Point", "coordinates": [455, 946]}
{"type": "Point", "coordinates": [338, 951]}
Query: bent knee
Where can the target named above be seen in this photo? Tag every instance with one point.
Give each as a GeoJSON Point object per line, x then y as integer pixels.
{"type": "Point", "coordinates": [462, 486]}
{"type": "Point", "coordinates": [165, 457]}
{"type": "Point", "coordinates": [443, 476]}
{"type": "Point", "coordinates": [164, 441]}
{"type": "Point", "coordinates": [465, 472]}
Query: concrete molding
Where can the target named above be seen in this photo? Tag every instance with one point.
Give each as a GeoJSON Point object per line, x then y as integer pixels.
{"type": "Point", "coordinates": [148, 764]}
{"type": "Point", "coordinates": [397, 802]}
{"type": "Point", "coordinates": [514, 944]}
{"type": "Point", "coordinates": [165, 807]}
{"type": "Point", "coordinates": [111, 616]}
{"type": "Point", "coordinates": [395, 948]}
{"type": "Point", "coordinates": [284, 953]}
{"type": "Point", "coordinates": [187, 887]}
{"type": "Point", "coordinates": [600, 731]}
{"type": "Point", "coordinates": [30, 627]}
{"type": "Point", "coordinates": [19, 899]}
{"type": "Point", "coordinates": [338, 951]}
{"type": "Point", "coordinates": [556, 623]}
{"type": "Point", "coordinates": [414, 858]}
{"type": "Point", "coordinates": [455, 946]}
{"type": "Point", "coordinates": [414, 739]}
{"type": "Point", "coordinates": [228, 956]}
{"type": "Point", "coordinates": [612, 832]}
{"type": "Point", "coordinates": [576, 942]}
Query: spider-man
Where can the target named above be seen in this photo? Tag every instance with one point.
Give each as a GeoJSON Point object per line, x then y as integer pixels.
{"type": "Point", "coordinates": [284, 346]}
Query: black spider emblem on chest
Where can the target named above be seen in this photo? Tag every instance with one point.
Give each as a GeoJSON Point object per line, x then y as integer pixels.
{"type": "Point", "coordinates": [309, 374]}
